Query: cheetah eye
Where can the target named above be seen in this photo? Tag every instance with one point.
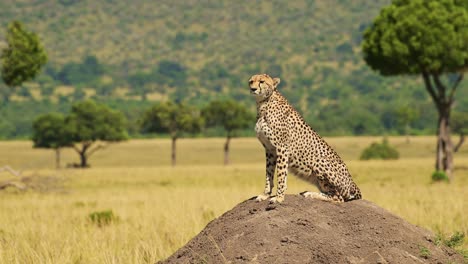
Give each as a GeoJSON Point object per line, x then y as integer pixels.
{"type": "Point", "coordinates": [262, 81]}
{"type": "Point", "coordinates": [250, 81]}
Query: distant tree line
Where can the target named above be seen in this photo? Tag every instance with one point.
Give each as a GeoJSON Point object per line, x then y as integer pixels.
{"type": "Point", "coordinates": [91, 126]}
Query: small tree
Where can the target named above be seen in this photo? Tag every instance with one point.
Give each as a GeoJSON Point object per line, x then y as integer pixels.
{"type": "Point", "coordinates": [23, 57]}
{"type": "Point", "coordinates": [89, 123]}
{"type": "Point", "coordinates": [428, 38]}
{"type": "Point", "coordinates": [173, 118]}
{"type": "Point", "coordinates": [460, 127]}
{"type": "Point", "coordinates": [230, 115]}
{"type": "Point", "coordinates": [50, 131]}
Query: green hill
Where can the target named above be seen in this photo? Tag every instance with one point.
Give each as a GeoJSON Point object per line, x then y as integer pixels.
{"type": "Point", "coordinates": [130, 54]}
{"type": "Point", "coordinates": [234, 34]}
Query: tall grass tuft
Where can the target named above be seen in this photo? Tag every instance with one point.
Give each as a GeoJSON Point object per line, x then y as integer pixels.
{"type": "Point", "coordinates": [439, 176]}
{"type": "Point", "coordinates": [103, 218]}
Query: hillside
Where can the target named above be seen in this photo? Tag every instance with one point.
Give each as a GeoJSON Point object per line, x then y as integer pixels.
{"type": "Point", "coordinates": [234, 34]}
{"type": "Point", "coordinates": [200, 50]}
{"type": "Point", "coordinates": [310, 231]}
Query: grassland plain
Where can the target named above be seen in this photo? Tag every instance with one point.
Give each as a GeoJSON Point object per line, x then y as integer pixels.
{"type": "Point", "coordinates": [160, 208]}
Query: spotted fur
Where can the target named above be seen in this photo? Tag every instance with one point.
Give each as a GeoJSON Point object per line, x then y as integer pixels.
{"type": "Point", "coordinates": [292, 145]}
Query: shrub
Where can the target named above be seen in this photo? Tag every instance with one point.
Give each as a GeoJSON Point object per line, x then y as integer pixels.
{"type": "Point", "coordinates": [424, 252]}
{"type": "Point", "coordinates": [103, 218]}
{"type": "Point", "coordinates": [380, 151]}
{"type": "Point", "coordinates": [438, 176]}
{"type": "Point", "coordinates": [455, 240]}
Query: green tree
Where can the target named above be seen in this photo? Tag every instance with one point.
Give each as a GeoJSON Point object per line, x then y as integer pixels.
{"type": "Point", "coordinates": [230, 115]}
{"type": "Point", "coordinates": [22, 58]}
{"type": "Point", "coordinates": [173, 118]}
{"type": "Point", "coordinates": [94, 126]}
{"type": "Point", "coordinates": [460, 127]}
{"type": "Point", "coordinates": [428, 38]}
{"type": "Point", "coordinates": [50, 131]}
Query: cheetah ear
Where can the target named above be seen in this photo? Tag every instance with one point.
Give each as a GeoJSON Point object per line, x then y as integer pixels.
{"type": "Point", "coordinates": [276, 81]}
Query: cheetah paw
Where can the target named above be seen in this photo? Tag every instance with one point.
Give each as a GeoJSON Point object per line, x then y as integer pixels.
{"type": "Point", "coordinates": [277, 199]}
{"type": "Point", "coordinates": [314, 195]}
{"type": "Point", "coordinates": [262, 197]}
{"type": "Point", "coordinates": [308, 194]}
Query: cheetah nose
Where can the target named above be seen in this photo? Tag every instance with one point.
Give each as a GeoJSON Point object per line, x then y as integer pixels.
{"type": "Point", "coordinates": [253, 90]}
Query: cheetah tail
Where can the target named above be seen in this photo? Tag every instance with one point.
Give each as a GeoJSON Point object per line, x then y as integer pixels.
{"type": "Point", "coordinates": [355, 192]}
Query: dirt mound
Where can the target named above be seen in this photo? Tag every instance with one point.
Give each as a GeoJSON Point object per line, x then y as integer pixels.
{"type": "Point", "coordinates": [304, 230]}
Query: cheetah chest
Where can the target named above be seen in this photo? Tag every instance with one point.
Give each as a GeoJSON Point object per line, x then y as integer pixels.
{"type": "Point", "coordinates": [264, 133]}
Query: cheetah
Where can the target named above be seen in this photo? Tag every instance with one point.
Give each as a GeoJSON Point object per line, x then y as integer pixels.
{"type": "Point", "coordinates": [292, 145]}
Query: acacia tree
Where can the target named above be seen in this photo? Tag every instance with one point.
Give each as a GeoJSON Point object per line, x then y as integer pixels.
{"type": "Point", "coordinates": [173, 118]}
{"type": "Point", "coordinates": [230, 115]}
{"type": "Point", "coordinates": [427, 38]}
{"type": "Point", "coordinates": [22, 58]}
{"type": "Point", "coordinates": [93, 127]}
{"type": "Point", "coordinates": [50, 131]}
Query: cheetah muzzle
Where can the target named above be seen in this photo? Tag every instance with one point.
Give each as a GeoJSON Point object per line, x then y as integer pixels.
{"type": "Point", "coordinates": [292, 145]}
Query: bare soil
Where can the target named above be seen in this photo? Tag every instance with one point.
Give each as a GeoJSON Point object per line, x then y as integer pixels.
{"type": "Point", "coordinates": [304, 230]}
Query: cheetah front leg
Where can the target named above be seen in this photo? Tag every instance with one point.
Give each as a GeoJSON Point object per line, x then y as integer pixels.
{"type": "Point", "coordinates": [270, 173]}
{"type": "Point", "coordinates": [282, 167]}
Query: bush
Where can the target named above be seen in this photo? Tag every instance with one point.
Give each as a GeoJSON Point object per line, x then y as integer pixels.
{"type": "Point", "coordinates": [103, 218]}
{"type": "Point", "coordinates": [380, 151]}
{"type": "Point", "coordinates": [438, 176]}
{"type": "Point", "coordinates": [455, 240]}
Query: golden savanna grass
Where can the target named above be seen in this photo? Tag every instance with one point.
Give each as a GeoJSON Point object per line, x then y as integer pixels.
{"type": "Point", "coordinates": [160, 208]}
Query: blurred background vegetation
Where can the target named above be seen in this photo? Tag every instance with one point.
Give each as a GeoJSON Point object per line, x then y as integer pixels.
{"type": "Point", "coordinates": [129, 56]}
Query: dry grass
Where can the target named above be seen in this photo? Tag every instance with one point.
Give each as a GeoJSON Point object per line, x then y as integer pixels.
{"type": "Point", "coordinates": [160, 208]}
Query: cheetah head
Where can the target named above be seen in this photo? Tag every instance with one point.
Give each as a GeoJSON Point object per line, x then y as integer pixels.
{"type": "Point", "coordinates": [262, 85]}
